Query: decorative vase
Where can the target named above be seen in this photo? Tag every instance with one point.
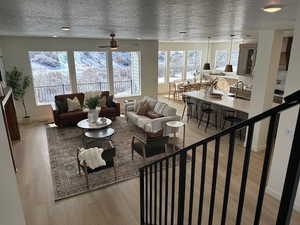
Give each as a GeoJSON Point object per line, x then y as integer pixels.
{"type": "Point", "coordinates": [93, 115]}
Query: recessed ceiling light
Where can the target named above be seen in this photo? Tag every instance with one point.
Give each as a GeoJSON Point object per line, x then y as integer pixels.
{"type": "Point", "coordinates": [65, 28]}
{"type": "Point", "coordinates": [54, 36]}
{"type": "Point", "coordinates": [182, 32]}
{"type": "Point", "coordinates": [272, 8]}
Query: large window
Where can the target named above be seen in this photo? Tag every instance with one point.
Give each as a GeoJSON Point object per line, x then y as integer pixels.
{"type": "Point", "coordinates": [234, 59]}
{"type": "Point", "coordinates": [193, 63]}
{"type": "Point", "coordinates": [220, 59]}
{"type": "Point", "coordinates": [126, 73]}
{"type": "Point", "coordinates": [50, 75]}
{"type": "Point", "coordinates": [91, 71]}
{"type": "Point", "coordinates": [176, 65]}
{"type": "Point", "coordinates": [162, 58]}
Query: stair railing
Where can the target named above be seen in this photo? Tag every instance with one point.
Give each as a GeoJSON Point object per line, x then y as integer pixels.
{"type": "Point", "coordinates": [164, 185]}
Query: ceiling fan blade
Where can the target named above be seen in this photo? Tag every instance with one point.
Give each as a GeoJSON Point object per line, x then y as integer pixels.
{"type": "Point", "coordinates": [106, 46]}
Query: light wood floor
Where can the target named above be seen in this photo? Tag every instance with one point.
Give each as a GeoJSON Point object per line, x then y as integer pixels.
{"type": "Point", "coordinates": [119, 204]}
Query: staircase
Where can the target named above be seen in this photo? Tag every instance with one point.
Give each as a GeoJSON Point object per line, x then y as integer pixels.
{"type": "Point", "coordinates": [170, 195]}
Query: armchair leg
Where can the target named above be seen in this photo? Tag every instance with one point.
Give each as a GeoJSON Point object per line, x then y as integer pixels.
{"type": "Point", "coordinates": [132, 152]}
{"type": "Point", "coordinates": [86, 176]}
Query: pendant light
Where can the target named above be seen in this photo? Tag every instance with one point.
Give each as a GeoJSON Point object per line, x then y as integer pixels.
{"type": "Point", "coordinates": [206, 65]}
{"type": "Point", "coordinates": [228, 67]}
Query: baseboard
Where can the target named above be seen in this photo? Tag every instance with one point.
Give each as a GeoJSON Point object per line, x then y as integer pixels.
{"type": "Point", "coordinates": [277, 195]}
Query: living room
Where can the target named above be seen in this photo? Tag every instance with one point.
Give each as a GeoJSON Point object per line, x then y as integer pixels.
{"type": "Point", "coordinates": [97, 118]}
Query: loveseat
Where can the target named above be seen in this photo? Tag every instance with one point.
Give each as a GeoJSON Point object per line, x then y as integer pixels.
{"type": "Point", "coordinates": [65, 118]}
{"type": "Point", "coordinates": [151, 125]}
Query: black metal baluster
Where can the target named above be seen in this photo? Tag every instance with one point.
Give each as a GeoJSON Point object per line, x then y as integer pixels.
{"type": "Point", "coordinates": [214, 181]}
{"type": "Point", "coordinates": [155, 193]}
{"type": "Point", "coordinates": [245, 174]}
{"type": "Point", "coordinates": [142, 195]}
{"type": "Point", "coordinates": [150, 189]}
{"type": "Point", "coordinates": [181, 192]}
{"type": "Point", "coordinates": [202, 186]}
{"type": "Point", "coordinates": [173, 189]}
{"type": "Point", "coordinates": [160, 191]}
{"type": "Point", "coordinates": [146, 198]}
{"type": "Point", "coordinates": [263, 182]}
{"type": "Point", "coordinates": [291, 180]}
{"type": "Point", "coordinates": [166, 191]}
{"type": "Point", "coordinates": [228, 176]}
{"type": "Point", "coordinates": [192, 184]}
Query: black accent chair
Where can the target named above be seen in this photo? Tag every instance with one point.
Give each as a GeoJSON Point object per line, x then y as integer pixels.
{"type": "Point", "coordinates": [149, 147]}
{"type": "Point", "coordinates": [108, 156]}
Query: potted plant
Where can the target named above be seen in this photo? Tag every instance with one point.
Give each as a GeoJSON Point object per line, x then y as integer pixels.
{"type": "Point", "coordinates": [19, 84]}
{"type": "Point", "coordinates": [93, 112]}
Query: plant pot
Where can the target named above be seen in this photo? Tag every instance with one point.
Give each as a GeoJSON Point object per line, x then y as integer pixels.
{"type": "Point", "coordinates": [93, 115]}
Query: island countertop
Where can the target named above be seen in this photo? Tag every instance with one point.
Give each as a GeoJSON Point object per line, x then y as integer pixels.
{"type": "Point", "coordinates": [226, 101]}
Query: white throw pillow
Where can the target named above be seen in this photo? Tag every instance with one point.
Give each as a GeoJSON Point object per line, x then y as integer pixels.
{"type": "Point", "coordinates": [159, 107]}
{"type": "Point", "coordinates": [73, 104]}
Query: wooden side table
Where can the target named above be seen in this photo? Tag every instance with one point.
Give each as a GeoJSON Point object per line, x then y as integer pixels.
{"type": "Point", "coordinates": [175, 125]}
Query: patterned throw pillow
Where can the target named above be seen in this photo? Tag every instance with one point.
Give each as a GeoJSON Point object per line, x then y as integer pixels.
{"type": "Point", "coordinates": [73, 104]}
{"type": "Point", "coordinates": [143, 108]}
{"type": "Point", "coordinates": [159, 107]}
{"type": "Point", "coordinates": [102, 101]}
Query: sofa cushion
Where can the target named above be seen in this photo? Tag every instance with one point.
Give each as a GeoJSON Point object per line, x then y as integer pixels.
{"type": "Point", "coordinates": [61, 105]}
{"type": "Point", "coordinates": [159, 107]}
{"type": "Point", "coordinates": [73, 104]}
{"type": "Point", "coordinates": [138, 120]}
{"type": "Point", "coordinates": [138, 104]}
{"type": "Point", "coordinates": [154, 115]}
{"type": "Point", "coordinates": [70, 115]}
{"type": "Point", "coordinates": [108, 109]}
{"type": "Point", "coordinates": [151, 102]}
{"type": "Point", "coordinates": [169, 111]}
{"type": "Point", "coordinates": [110, 101]}
{"type": "Point", "coordinates": [143, 108]}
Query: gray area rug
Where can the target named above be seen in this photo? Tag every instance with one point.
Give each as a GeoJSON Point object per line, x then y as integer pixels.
{"type": "Point", "coordinates": [62, 145]}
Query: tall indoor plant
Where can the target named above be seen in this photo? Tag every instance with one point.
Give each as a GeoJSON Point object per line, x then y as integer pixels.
{"type": "Point", "coordinates": [19, 83]}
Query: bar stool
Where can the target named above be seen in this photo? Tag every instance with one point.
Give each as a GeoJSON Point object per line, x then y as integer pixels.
{"type": "Point", "coordinates": [230, 117]}
{"type": "Point", "coordinates": [189, 105]}
{"type": "Point", "coordinates": [205, 108]}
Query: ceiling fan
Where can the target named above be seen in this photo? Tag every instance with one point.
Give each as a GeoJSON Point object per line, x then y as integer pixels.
{"type": "Point", "coordinates": [113, 43]}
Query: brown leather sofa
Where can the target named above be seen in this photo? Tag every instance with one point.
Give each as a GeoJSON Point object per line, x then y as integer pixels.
{"type": "Point", "coordinates": [72, 118]}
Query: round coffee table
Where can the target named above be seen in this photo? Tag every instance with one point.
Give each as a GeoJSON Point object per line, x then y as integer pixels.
{"type": "Point", "coordinates": [100, 134]}
{"type": "Point", "coordinates": [86, 125]}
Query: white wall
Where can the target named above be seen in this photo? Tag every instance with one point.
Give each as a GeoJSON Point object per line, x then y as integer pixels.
{"type": "Point", "coordinates": [11, 212]}
{"type": "Point", "coordinates": [287, 124]}
{"type": "Point", "coordinates": [15, 53]}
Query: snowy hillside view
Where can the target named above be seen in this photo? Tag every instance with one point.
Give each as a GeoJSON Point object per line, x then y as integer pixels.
{"type": "Point", "coordinates": [51, 73]}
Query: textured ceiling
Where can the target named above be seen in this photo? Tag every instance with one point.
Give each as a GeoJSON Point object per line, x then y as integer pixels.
{"type": "Point", "coordinates": [145, 19]}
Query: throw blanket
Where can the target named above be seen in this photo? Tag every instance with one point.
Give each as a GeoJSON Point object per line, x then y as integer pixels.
{"type": "Point", "coordinates": [92, 157]}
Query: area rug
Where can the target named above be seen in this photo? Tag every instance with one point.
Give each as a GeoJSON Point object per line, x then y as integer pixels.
{"type": "Point", "coordinates": [62, 145]}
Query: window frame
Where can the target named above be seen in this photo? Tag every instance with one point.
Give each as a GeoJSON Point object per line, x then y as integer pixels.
{"type": "Point", "coordinates": [165, 77]}
{"type": "Point", "coordinates": [63, 85]}
{"type": "Point", "coordinates": [187, 60]}
{"type": "Point", "coordinates": [183, 76]}
{"type": "Point", "coordinates": [215, 66]}
{"type": "Point", "coordinates": [113, 79]}
{"type": "Point", "coordinates": [107, 68]}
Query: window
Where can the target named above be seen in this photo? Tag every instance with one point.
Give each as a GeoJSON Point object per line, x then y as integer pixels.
{"type": "Point", "coordinates": [162, 57]}
{"type": "Point", "coordinates": [50, 75]}
{"type": "Point", "coordinates": [176, 65]}
{"type": "Point", "coordinates": [234, 59]}
{"type": "Point", "coordinates": [193, 63]}
{"type": "Point", "coordinates": [91, 71]}
{"type": "Point", "coordinates": [220, 59]}
{"type": "Point", "coordinates": [126, 73]}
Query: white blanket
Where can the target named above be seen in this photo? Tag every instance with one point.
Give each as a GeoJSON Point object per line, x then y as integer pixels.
{"type": "Point", "coordinates": [92, 157]}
